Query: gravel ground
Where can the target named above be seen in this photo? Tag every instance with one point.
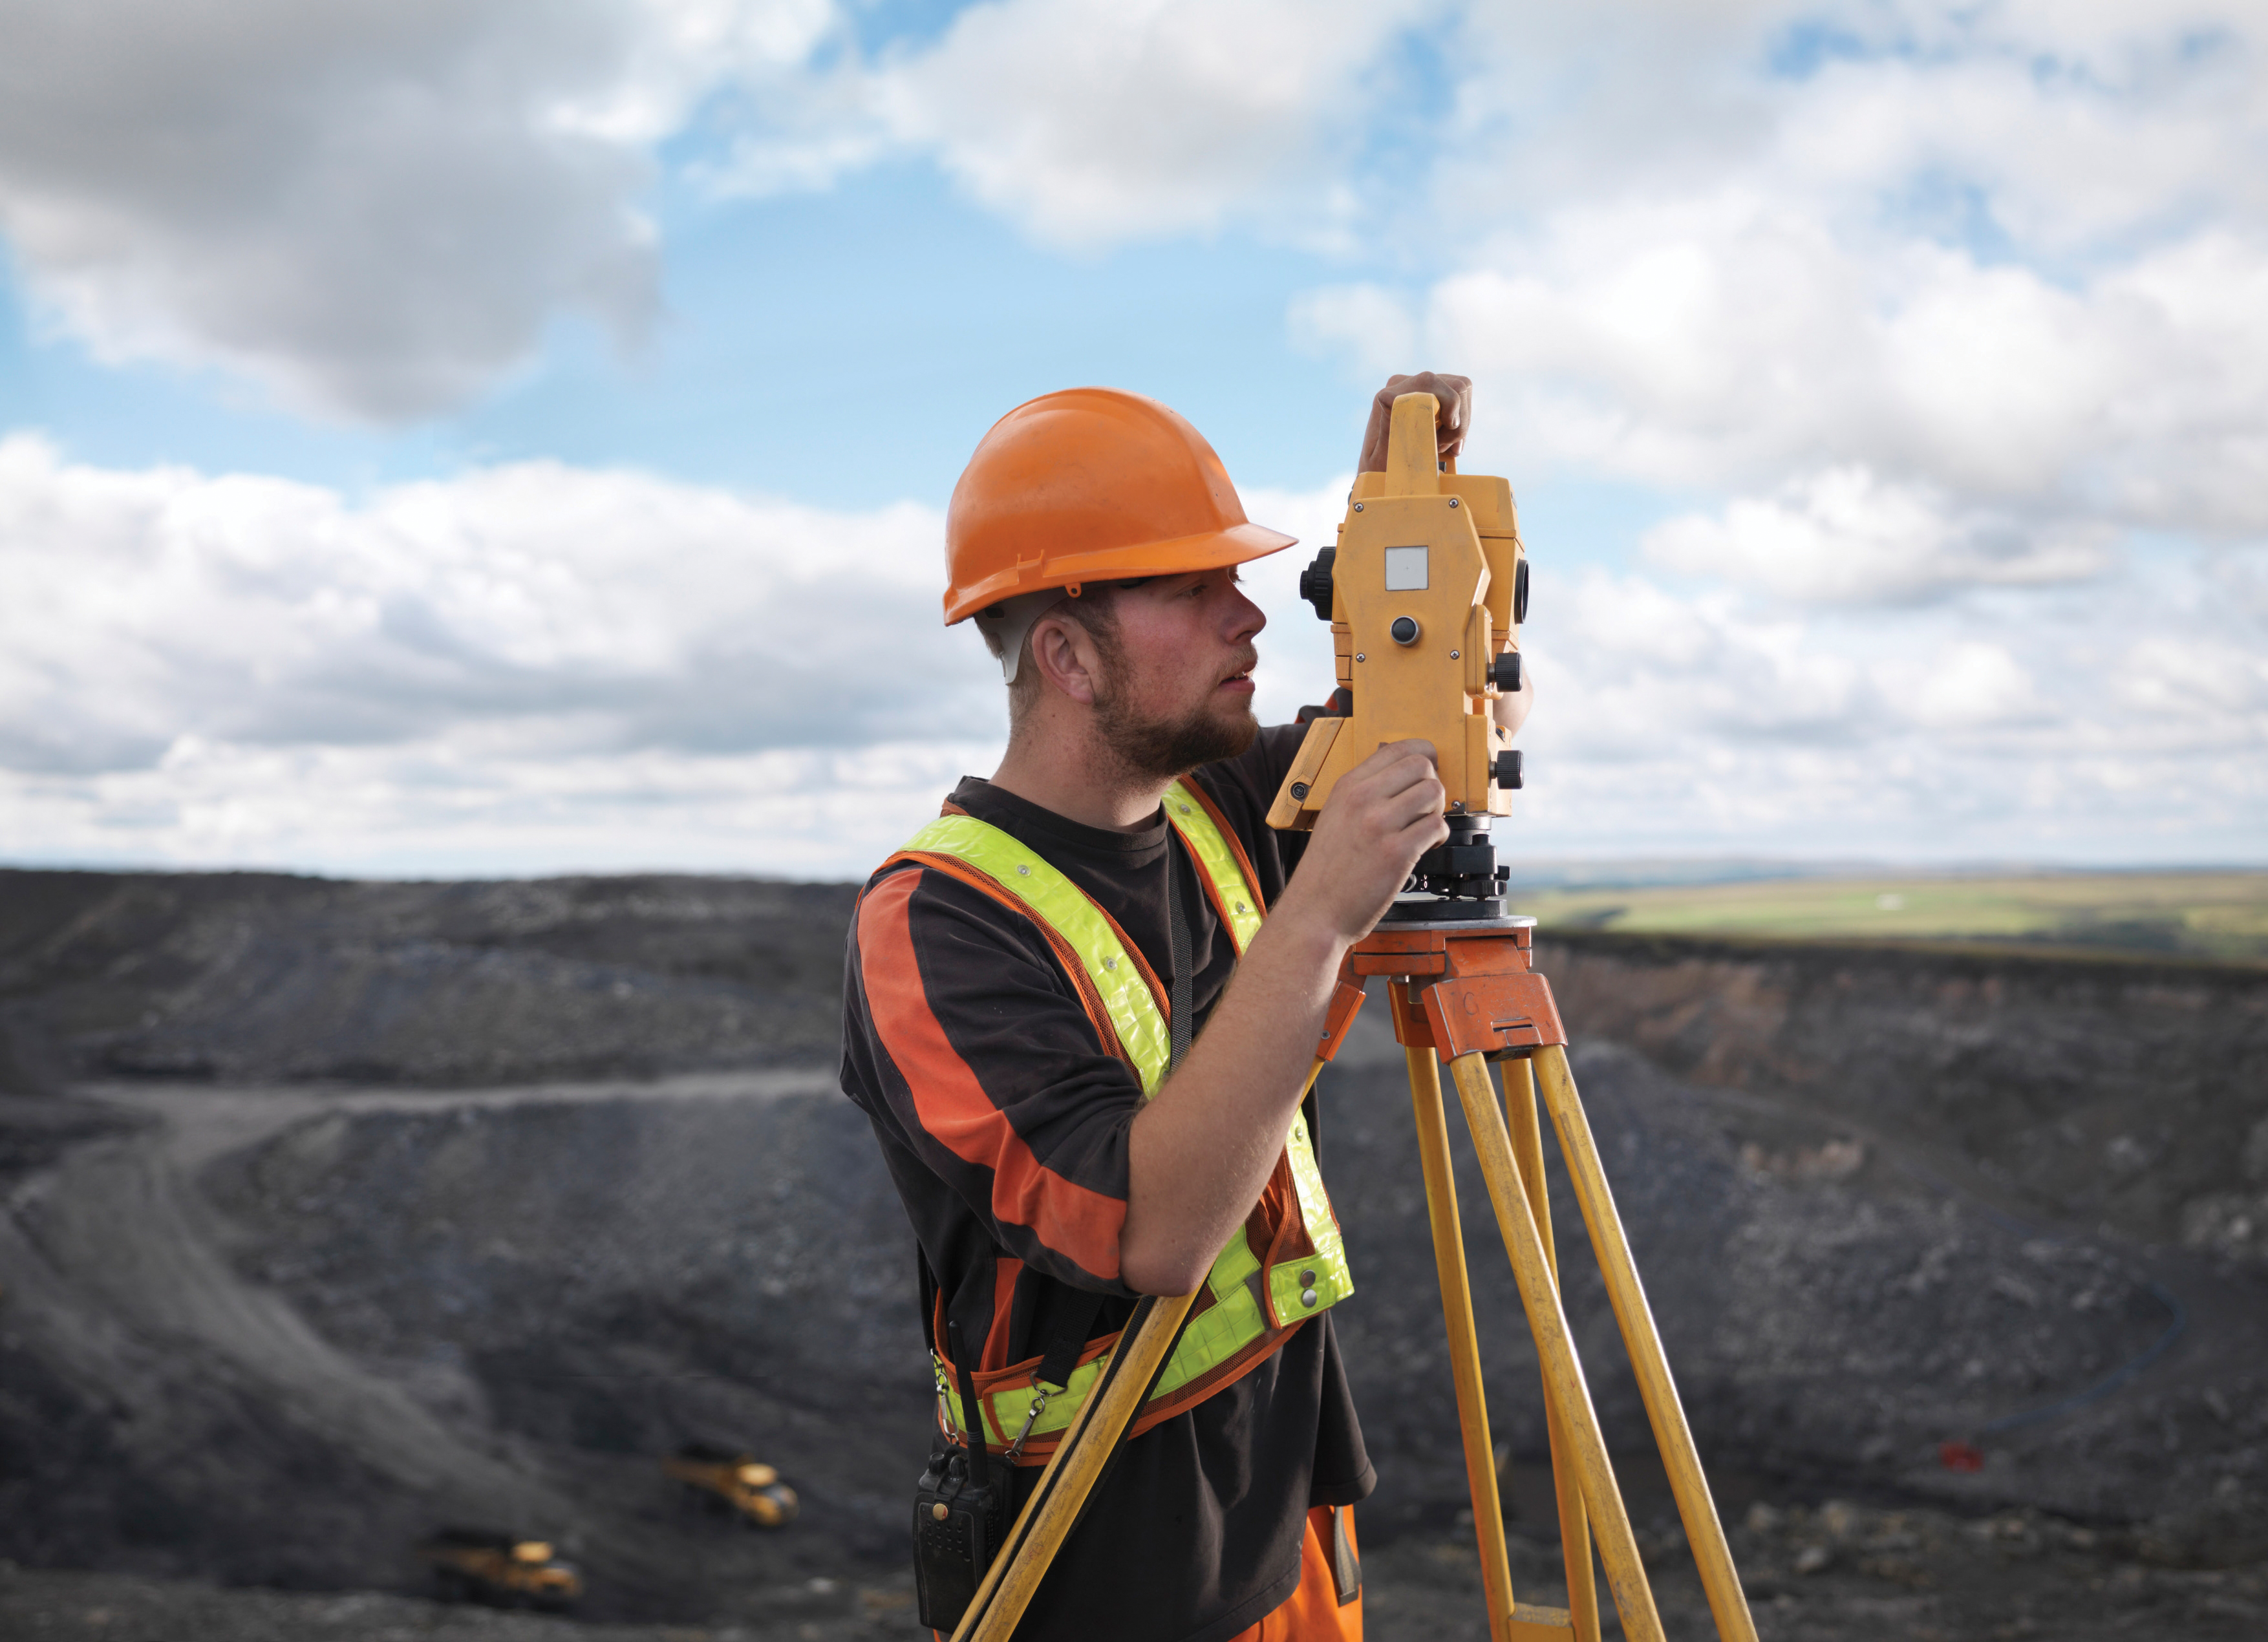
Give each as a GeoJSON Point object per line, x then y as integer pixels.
{"type": "Point", "coordinates": [123, 1608]}
{"type": "Point", "coordinates": [1841, 1572]}
{"type": "Point", "coordinates": [1836, 1572]}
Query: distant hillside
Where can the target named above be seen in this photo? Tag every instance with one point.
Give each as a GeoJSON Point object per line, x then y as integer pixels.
{"type": "Point", "coordinates": [264, 977]}
{"type": "Point", "coordinates": [2221, 916]}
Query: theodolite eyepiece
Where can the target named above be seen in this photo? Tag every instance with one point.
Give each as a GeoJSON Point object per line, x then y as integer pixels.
{"type": "Point", "coordinates": [1315, 582]}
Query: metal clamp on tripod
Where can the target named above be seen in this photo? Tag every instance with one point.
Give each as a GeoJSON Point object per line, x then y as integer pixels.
{"type": "Point", "coordinates": [1425, 591]}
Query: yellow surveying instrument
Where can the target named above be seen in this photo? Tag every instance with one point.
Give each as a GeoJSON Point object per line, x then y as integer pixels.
{"type": "Point", "coordinates": [1424, 593]}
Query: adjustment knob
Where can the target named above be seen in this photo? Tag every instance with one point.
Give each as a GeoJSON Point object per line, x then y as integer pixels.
{"type": "Point", "coordinates": [1506, 770]}
{"type": "Point", "coordinates": [1519, 591]}
{"type": "Point", "coordinates": [1505, 672]}
{"type": "Point", "coordinates": [1404, 630]}
{"type": "Point", "coordinates": [1315, 582]}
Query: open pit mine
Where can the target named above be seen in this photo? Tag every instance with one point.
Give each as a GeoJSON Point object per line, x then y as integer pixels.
{"type": "Point", "coordinates": [341, 1218]}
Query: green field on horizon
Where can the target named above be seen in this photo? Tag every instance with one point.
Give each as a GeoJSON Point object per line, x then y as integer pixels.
{"type": "Point", "coordinates": [2216, 915]}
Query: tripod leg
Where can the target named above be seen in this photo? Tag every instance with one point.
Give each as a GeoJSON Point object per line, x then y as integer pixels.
{"type": "Point", "coordinates": [1465, 1346]}
{"type": "Point", "coordinates": [1081, 1457]}
{"type": "Point", "coordinates": [1574, 1526]}
{"type": "Point", "coordinates": [1703, 1531]}
{"type": "Point", "coordinates": [1554, 1344]}
{"type": "Point", "coordinates": [1054, 1508]}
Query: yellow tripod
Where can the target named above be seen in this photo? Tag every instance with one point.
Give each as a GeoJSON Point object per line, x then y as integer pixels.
{"type": "Point", "coordinates": [1463, 992]}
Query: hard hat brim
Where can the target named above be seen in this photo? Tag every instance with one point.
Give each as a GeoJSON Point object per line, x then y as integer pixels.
{"type": "Point", "coordinates": [1177, 556]}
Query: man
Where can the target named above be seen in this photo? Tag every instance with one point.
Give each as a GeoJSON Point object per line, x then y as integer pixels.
{"type": "Point", "coordinates": [1024, 991]}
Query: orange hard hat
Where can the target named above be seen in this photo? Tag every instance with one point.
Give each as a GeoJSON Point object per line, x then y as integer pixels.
{"type": "Point", "coordinates": [1090, 484]}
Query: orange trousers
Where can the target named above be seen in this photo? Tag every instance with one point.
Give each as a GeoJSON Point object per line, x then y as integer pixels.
{"type": "Point", "coordinates": [1312, 1612]}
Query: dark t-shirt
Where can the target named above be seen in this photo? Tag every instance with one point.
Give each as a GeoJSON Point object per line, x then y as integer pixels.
{"type": "Point", "coordinates": [1004, 1120]}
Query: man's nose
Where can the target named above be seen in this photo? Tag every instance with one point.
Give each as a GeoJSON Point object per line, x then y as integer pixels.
{"type": "Point", "coordinates": [1246, 618]}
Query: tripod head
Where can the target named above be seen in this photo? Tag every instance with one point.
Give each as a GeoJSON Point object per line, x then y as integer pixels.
{"type": "Point", "coordinates": [1424, 593]}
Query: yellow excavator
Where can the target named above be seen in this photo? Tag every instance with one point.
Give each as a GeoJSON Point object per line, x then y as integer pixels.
{"type": "Point", "coordinates": [725, 1479]}
{"type": "Point", "coordinates": [479, 1564]}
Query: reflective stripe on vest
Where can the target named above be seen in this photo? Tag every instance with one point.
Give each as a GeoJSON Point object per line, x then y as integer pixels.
{"type": "Point", "coordinates": [1246, 1308]}
{"type": "Point", "coordinates": [1289, 1281]}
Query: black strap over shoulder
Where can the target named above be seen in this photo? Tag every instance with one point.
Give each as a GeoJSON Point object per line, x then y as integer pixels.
{"type": "Point", "coordinates": [969, 1400]}
{"type": "Point", "coordinates": [926, 1287]}
{"type": "Point", "coordinates": [1182, 987]}
{"type": "Point", "coordinates": [1074, 1327]}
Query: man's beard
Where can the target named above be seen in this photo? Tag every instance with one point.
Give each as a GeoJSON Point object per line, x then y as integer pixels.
{"type": "Point", "coordinates": [1161, 749]}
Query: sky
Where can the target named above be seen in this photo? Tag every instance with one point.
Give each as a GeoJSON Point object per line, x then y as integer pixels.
{"type": "Point", "coordinates": [448, 437]}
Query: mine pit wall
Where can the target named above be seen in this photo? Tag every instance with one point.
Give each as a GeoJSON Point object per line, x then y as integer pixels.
{"type": "Point", "coordinates": [1849, 1176]}
{"type": "Point", "coordinates": [2132, 1095]}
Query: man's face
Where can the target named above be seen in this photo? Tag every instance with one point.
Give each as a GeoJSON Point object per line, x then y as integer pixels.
{"type": "Point", "coordinates": [1177, 690]}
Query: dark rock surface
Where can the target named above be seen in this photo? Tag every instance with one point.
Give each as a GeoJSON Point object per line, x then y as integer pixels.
{"type": "Point", "coordinates": [2126, 1093]}
{"type": "Point", "coordinates": [593, 1194]}
{"type": "Point", "coordinates": [259, 977]}
{"type": "Point", "coordinates": [1838, 1573]}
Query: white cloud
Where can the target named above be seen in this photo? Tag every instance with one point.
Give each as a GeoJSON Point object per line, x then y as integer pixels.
{"type": "Point", "coordinates": [538, 667]}
{"type": "Point", "coordinates": [477, 802]}
{"type": "Point", "coordinates": [1089, 123]}
{"type": "Point", "coordinates": [2126, 719]}
{"type": "Point", "coordinates": [535, 652]}
{"type": "Point", "coordinates": [1730, 342]}
{"type": "Point", "coordinates": [1371, 325]}
{"type": "Point", "coordinates": [373, 208]}
{"type": "Point", "coordinates": [2011, 258]}
{"type": "Point", "coordinates": [377, 210]}
{"type": "Point", "coordinates": [1948, 326]}
{"type": "Point", "coordinates": [1628, 670]}
{"type": "Point", "coordinates": [2191, 680]}
{"type": "Point", "coordinates": [1970, 683]}
{"type": "Point", "coordinates": [1296, 666]}
{"type": "Point", "coordinates": [1843, 535]}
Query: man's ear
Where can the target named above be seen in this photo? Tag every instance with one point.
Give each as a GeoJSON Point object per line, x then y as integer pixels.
{"type": "Point", "coordinates": [1065, 654]}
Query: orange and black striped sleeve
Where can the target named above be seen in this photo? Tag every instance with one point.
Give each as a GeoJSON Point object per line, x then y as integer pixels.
{"type": "Point", "coordinates": [1002, 1113]}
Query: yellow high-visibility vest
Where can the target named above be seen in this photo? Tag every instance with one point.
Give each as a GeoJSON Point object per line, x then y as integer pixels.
{"type": "Point", "coordinates": [1250, 1311]}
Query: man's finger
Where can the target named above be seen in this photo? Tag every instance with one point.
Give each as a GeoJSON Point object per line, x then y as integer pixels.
{"type": "Point", "coordinates": [1455, 394]}
{"type": "Point", "coordinates": [1417, 744]}
{"type": "Point", "coordinates": [1397, 776]}
{"type": "Point", "coordinates": [1452, 415]}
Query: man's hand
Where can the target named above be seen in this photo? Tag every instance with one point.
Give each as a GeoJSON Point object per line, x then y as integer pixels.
{"type": "Point", "coordinates": [1456, 395]}
{"type": "Point", "coordinates": [1511, 711]}
{"type": "Point", "coordinates": [1382, 816]}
